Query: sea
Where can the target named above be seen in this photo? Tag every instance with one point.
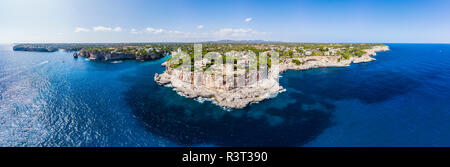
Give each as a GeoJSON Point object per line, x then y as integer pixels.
{"type": "Point", "coordinates": [53, 100]}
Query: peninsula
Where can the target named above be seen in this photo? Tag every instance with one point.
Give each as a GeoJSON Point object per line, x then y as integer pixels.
{"type": "Point", "coordinates": [233, 75]}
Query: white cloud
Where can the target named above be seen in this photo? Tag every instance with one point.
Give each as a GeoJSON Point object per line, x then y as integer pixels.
{"type": "Point", "coordinates": [237, 33]}
{"type": "Point", "coordinates": [200, 27]}
{"type": "Point", "coordinates": [134, 31]}
{"type": "Point", "coordinates": [155, 31]}
{"type": "Point", "coordinates": [248, 19]}
{"type": "Point", "coordinates": [106, 29]}
{"type": "Point", "coordinates": [163, 31]}
{"type": "Point", "coordinates": [174, 32]}
{"type": "Point", "coordinates": [117, 29]}
{"type": "Point", "coordinates": [230, 30]}
{"type": "Point", "coordinates": [101, 28]}
{"type": "Point", "coordinates": [81, 29]}
{"type": "Point", "coordinates": [225, 33]}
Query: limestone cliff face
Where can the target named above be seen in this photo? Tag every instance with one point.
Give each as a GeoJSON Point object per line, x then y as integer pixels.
{"type": "Point", "coordinates": [224, 92]}
{"type": "Point", "coordinates": [150, 57]}
{"type": "Point", "coordinates": [31, 49]}
{"type": "Point", "coordinates": [218, 80]}
{"type": "Point", "coordinates": [227, 85]}
{"type": "Point", "coordinates": [105, 56]}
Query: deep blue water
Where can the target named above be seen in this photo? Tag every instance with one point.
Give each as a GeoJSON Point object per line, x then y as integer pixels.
{"type": "Point", "coordinates": [52, 99]}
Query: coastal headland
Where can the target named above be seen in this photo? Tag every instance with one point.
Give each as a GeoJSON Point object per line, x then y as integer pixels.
{"type": "Point", "coordinates": [235, 76]}
{"type": "Point", "coordinates": [102, 51]}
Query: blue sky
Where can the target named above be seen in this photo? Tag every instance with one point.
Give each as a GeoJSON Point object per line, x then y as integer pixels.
{"type": "Point", "coordinates": [416, 21]}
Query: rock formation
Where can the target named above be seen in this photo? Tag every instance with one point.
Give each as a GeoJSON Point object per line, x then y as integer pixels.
{"type": "Point", "coordinates": [96, 55]}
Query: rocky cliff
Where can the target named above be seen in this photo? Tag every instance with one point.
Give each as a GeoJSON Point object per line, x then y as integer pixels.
{"type": "Point", "coordinates": [34, 49]}
{"type": "Point", "coordinates": [97, 55]}
{"type": "Point", "coordinates": [107, 56]}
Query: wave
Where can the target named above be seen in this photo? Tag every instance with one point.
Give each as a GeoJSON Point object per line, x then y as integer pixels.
{"type": "Point", "coordinates": [118, 61]}
{"type": "Point", "coordinates": [21, 71]}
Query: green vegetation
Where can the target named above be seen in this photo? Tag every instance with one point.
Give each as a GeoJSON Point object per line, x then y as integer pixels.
{"type": "Point", "coordinates": [297, 62]}
{"type": "Point", "coordinates": [176, 65]}
{"type": "Point", "coordinates": [148, 51]}
{"type": "Point", "coordinates": [289, 51]}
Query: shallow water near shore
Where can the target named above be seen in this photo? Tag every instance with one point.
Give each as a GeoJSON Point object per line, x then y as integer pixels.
{"type": "Point", "coordinates": [52, 99]}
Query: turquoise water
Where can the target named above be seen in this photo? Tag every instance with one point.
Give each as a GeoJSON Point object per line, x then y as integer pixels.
{"type": "Point", "coordinates": [52, 99]}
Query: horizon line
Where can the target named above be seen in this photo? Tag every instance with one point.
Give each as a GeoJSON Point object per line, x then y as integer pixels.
{"type": "Point", "coordinates": [232, 41]}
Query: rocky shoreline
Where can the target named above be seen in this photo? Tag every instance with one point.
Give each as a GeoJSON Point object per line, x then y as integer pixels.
{"type": "Point", "coordinates": [109, 56]}
{"type": "Point", "coordinates": [234, 98]}
{"type": "Point", "coordinates": [102, 52]}
{"type": "Point", "coordinates": [332, 61]}
{"type": "Point", "coordinates": [104, 56]}
{"type": "Point", "coordinates": [239, 97]}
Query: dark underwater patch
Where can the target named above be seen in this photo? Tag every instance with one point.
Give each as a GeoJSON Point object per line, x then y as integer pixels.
{"type": "Point", "coordinates": [187, 122]}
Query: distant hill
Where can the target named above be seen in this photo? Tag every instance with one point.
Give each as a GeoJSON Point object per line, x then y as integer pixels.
{"type": "Point", "coordinates": [241, 41]}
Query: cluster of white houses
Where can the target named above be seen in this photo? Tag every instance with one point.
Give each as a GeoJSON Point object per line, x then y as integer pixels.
{"type": "Point", "coordinates": [241, 69]}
